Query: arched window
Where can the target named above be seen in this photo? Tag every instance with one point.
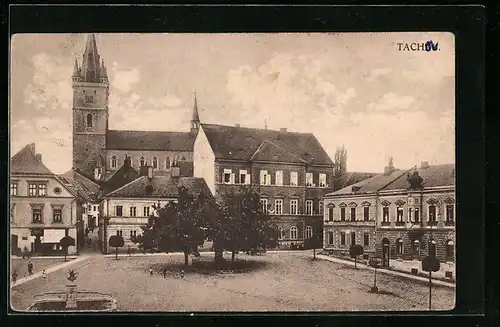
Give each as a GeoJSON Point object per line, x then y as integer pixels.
{"type": "Point", "coordinates": [167, 163]}
{"type": "Point", "coordinates": [416, 248]}
{"type": "Point", "coordinates": [432, 248]}
{"type": "Point", "coordinates": [142, 161]}
{"type": "Point", "coordinates": [89, 120]}
{"type": "Point", "coordinates": [450, 250]}
{"type": "Point", "coordinates": [155, 163]}
{"type": "Point", "coordinates": [293, 233]}
{"type": "Point", "coordinates": [176, 159]}
{"type": "Point", "coordinates": [113, 162]}
{"type": "Point", "coordinates": [309, 232]}
{"type": "Point", "coordinates": [280, 232]}
{"type": "Point", "coordinates": [399, 246]}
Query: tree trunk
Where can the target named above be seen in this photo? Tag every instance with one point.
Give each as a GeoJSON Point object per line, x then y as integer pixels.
{"type": "Point", "coordinates": [186, 259]}
{"type": "Point", "coordinates": [430, 290]}
{"type": "Point", "coordinates": [356, 262]}
{"type": "Point", "coordinates": [232, 255]}
{"type": "Point", "coordinates": [116, 253]}
{"type": "Point", "coordinates": [65, 254]}
{"type": "Point", "coordinates": [314, 253]}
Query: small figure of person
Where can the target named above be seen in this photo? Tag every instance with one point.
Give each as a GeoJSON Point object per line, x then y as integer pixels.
{"type": "Point", "coordinates": [14, 276]}
{"type": "Point", "coordinates": [30, 268]}
{"type": "Point", "coordinates": [164, 272]}
{"type": "Point", "coordinates": [150, 271]}
{"type": "Point", "coordinates": [129, 251]}
{"type": "Point", "coordinates": [44, 274]}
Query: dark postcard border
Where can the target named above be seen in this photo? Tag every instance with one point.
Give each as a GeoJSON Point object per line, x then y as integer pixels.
{"type": "Point", "coordinates": [466, 22]}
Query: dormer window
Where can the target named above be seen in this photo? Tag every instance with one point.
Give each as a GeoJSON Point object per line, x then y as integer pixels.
{"type": "Point", "coordinates": [142, 161]}
{"type": "Point", "coordinates": [113, 162]}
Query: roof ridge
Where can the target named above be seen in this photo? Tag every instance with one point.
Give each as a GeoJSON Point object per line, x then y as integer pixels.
{"type": "Point", "coordinates": [155, 131]}
{"type": "Point", "coordinates": [257, 129]}
{"type": "Point", "coordinates": [395, 179]}
{"type": "Point", "coordinates": [129, 183]}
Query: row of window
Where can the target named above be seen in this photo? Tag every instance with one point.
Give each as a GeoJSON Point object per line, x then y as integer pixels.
{"type": "Point", "coordinates": [228, 177]}
{"type": "Point", "coordinates": [343, 242]}
{"type": "Point", "coordinates": [132, 212]}
{"type": "Point", "coordinates": [142, 161]}
{"type": "Point", "coordinates": [34, 188]}
{"type": "Point", "coordinates": [37, 215]}
{"type": "Point", "coordinates": [413, 214]}
{"type": "Point", "coordinates": [294, 207]}
{"type": "Point", "coordinates": [133, 233]}
{"type": "Point", "coordinates": [294, 233]}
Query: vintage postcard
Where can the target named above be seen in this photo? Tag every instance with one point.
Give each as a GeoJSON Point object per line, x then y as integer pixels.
{"type": "Point", "coordinates": [232, 172]}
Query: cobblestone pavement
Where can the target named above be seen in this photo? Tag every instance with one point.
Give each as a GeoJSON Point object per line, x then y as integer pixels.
{"type": "Point", "coordinates": [287, 282]}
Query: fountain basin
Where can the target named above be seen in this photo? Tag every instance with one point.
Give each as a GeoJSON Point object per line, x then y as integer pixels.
{"type": "Point", "coordinates": [85, 301]}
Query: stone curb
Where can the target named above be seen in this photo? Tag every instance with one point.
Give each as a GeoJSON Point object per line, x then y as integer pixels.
{"type": "Point", "coordinates": [385, 271]}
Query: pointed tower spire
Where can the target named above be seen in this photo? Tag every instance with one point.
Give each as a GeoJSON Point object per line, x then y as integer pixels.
{"type": "Point", "coordinates": [90, 64]}
{"type": "Point", "coordinates": [75, 68]}
{"type": "Point", "coordinates": [195, 121]}
{"type": "Point", "coordinates": [104, 72]}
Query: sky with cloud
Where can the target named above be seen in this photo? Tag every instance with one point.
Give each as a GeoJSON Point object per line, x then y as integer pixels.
{"type": "Point", "coordinates": [352, 89]}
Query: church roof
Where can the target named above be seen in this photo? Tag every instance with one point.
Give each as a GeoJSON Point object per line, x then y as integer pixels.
{"type": "Point", "coordinates": [241, 143]}
{"type": "Point", "coordinates": [27, 161]}
{"type": "Point", "coordinates": [149, 140]}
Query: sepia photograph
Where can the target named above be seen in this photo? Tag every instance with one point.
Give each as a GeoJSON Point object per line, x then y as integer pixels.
{"type": "Point", "coordinates": [232, 172]}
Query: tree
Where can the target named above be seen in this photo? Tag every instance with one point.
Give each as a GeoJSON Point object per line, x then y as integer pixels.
{"type": "Point", "coordinates": [178, 226]}
{"type": "Point", "coordinates": [340, 161]}
{"type": "Point", "coordinates": [354, 251]}
{"type": "Point", "coordinates": [430, 264]}
{"type": "Point", "coordinates": [65, 243]}
{"type": "Point", "coordinates": [116, 241]}
{"type": "Point", "coordinates": [241, 224]}
{"type": "Point", "coordinates": [315, 242]}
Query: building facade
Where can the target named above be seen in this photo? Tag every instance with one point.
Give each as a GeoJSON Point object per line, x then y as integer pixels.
{"type": "Point", "coordinates": [291, 171]}
{"type": "Point", "coordinates": [400, 214]}
{"type": "Point", "coordinates": [42, 209]}
{"type": "Point", "coordinates": [126, 209]}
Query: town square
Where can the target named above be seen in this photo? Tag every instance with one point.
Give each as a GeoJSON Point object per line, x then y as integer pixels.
{"type": "Point", "coordinates": [168, 172]}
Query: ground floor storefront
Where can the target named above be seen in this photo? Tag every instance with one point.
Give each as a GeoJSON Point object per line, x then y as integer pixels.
{"type": "Point", "coordinates": [416, 244]}
{"type": "Point", "coordinates": [41, 240]}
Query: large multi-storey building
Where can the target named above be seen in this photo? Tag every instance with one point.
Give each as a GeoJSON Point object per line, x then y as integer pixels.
{"type": "Point", "coordinates": [43, 209]}
{"type": "Point", "coordinates": [400, 214]}
{"type": "Point", "coordinates": [291, 171]}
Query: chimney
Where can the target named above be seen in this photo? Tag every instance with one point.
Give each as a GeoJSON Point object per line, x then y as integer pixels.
{"type": "Point", "coordinates": [237, 125]}
{"type": "Point", "coordinates": [143, 171]}
{"type": "Point", "coordinates": [38, 157]}
{"type": "Point", "coordinates": [424, 164]}
{"type": "Point", "coordinates": [127, 162]}
{"type": "Point", "coordinates": [283, 129]}
{"type": "Point", "coordinates": [175, 171]}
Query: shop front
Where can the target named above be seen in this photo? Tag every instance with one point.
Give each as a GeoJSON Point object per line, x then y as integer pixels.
{"type": "Point", "coordinates": [46, 241]}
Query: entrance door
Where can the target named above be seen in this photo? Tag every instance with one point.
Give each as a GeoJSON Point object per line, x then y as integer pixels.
{"type": "Point", "coordinates": [13, 244]}
{"type": "Point", "coordinates": [432, 248]}
{"type": "Point", "coordinates": [385, 252]}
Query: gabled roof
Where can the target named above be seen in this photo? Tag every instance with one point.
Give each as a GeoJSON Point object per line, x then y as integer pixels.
{"type": "Point", "coordinates": [433, 176]}
{"type": "Point", "coordinates": [241, 143]}
{"type": "Point", "coordinates": [351, 178]}
{"type": "Point", "coordinates": [149, 140]}
{"type": "Point", "coordinates": [160, 187]}
{"type": "Point", "coordinates": [370, 185]}
{"type": "Point", "coordinates": [77, 189]}
{"type": "Point", "coordinates": [121, 177]}
{"type": "Point", "coordinates": [26, 161]}
{"type": "Point", "coordinates": [437, 175]}
{"type": "Point", "coordinates": [83, 180]}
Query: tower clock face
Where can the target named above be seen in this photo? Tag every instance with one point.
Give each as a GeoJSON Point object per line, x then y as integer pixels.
{"type": "Point", "coordinates": [411, 201]}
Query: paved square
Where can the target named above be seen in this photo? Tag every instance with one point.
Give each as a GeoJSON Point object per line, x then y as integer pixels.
{"type": "Point", "coordinates": [289, 281]}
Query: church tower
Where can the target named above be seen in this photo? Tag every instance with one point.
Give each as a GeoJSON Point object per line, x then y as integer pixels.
{"type": "Point", "coordinates": [90, 111]}
{"type": "Point", "coordinates": [195, 121]}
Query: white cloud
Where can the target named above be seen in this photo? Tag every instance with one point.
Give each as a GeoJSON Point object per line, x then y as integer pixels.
{"type": "Point", "coordinates": [375, 73]}
{"type": "Point", "coordinates": [124, 80]}
{"type": "Point", "coordinates": [391, 101]}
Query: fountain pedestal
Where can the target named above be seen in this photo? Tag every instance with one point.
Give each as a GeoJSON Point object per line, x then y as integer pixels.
{"type": "Point", "coordinates": [71, 295]}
